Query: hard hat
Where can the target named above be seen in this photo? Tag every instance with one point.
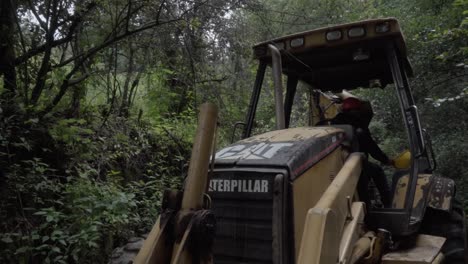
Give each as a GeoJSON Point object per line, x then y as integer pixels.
{"type": "Point", "coordinates": [403, 161]}
{"type": "Point", "coordinates": [350, 104]}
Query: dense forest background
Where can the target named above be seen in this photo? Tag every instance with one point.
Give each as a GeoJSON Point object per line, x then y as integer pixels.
{"type": "Point", "coordinates": [98, 104]}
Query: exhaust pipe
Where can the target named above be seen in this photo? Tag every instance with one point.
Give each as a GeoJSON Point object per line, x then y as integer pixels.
{"type": "Point", "coordinates": [277, 80]}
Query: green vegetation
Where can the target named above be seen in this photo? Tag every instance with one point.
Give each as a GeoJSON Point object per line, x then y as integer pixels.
{"type": "Point", "coordinates": [98, 104]}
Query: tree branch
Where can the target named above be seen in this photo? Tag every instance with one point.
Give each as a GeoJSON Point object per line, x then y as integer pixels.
{"type": "Point", "coordinates": [224, 78]}
{"type": "Point", "coordinates": [77, 19]}
{"type": "Point", "coordinates": [158, 14]}
{"type": "Point", "coordinates": [36, 15]}
{"type": "Point", "coordinates": [109, 42]}
{"type": "Point", "coordinates": [81, 58]}
{"type": "Point", "coordinates": [78, 80]}
{"type": "Point", "coordinates": [62, 90]}
{"type": "Point", "coordinates": [45, 64]}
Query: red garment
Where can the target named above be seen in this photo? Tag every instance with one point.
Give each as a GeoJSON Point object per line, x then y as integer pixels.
{"type": "Point", "coordinates": [351, 104]}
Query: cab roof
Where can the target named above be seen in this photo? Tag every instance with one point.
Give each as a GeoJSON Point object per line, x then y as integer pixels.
{"type": "Point", "coordinates": [339, 57]}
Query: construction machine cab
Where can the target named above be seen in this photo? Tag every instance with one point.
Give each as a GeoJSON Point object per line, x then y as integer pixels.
{"type": "Point", "coordinates": [366, 54]}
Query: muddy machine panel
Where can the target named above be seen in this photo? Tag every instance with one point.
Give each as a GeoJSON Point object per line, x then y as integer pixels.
{"type": "Point", "coordinates": [255, 183]}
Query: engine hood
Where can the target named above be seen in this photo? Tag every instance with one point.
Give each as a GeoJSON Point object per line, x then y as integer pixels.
{"type": "Point", "coordinates": [295, 149]}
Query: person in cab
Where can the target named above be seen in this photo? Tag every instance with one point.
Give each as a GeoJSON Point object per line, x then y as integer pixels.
{"type": "Point", "coordinates": [358, 114]}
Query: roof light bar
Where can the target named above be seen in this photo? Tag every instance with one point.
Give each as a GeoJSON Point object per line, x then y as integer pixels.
{"type": "Point", "coordinates": [297, 42]}
{"type": "Point", "coordinates": [334, 35]}
{"type": "Point", "coordinates": [356, 32]}
{"type": "Point", "coordinates": [280, 45]}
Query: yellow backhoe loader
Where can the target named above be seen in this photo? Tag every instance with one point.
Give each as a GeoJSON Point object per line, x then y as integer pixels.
{"type": "Point", "coordinates": [291, 195]}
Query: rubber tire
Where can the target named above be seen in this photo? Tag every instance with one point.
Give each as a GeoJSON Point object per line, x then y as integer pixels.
{"type": "Point", "coordinates": [451, 226]}
{"type": "Point", "coordinates": [126, 253]}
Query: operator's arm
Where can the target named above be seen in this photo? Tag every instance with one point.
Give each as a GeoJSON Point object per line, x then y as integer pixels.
{"type": "Point", "coordinates": [368, 145]}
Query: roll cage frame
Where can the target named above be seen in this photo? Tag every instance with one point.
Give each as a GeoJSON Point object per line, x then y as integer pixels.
{"type": "Point", "coordinates": [400, 222]}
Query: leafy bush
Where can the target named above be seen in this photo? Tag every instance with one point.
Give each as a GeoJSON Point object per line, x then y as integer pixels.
{"type": "Point", "coordinates": [106, 187]}
{"type": "Point", "coordinates": [77, 226]}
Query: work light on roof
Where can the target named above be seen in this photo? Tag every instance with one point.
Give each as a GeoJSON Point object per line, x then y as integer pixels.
{"type": "Point", "coordinates": [382, 27]}
{"type": "Point", "coordinates": [356, 32]}
{"type": "Point", "coordinates": [280, 45]}
{"type": "Point", "coordinates": [334, 35]}
{"type": "Point", "coordinates": [296, 42]}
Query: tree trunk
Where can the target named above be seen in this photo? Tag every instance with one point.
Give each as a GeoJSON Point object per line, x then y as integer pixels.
{"type": "Point", "coordinates": [7, 52]}
{"type": "Point", "coordinates": [123, 111]}
{"type": "Point", "coordinates": [75, 106]}
{"type": "Point", "coordinates": [44, 69]}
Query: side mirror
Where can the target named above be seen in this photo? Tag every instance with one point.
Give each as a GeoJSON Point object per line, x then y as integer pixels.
{"type": "Point", "coordinates": [234, 129]}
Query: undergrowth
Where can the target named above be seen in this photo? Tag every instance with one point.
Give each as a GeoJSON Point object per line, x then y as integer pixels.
{"type": "Point", "coordinates": [73, 189]}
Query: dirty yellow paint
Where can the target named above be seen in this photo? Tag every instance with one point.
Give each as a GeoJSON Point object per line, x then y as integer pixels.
{"type": "Point", "coordinates": [402, 186]}
{"type": "Point", "coordinates": [310, 186]}
{"type": "Point", "coordinates": [426, 250]}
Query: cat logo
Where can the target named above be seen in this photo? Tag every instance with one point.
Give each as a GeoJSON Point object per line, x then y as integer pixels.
{"type": "Point", "coordinates": [257, 151]}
